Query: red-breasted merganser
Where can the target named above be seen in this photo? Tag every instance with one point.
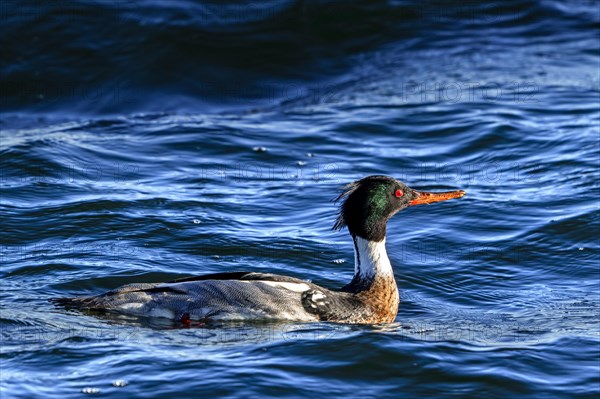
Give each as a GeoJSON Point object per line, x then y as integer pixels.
{"type": "Point", "coordinates": [371, 296]}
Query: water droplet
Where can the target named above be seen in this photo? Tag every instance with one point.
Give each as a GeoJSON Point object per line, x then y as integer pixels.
{"type": "Point", "coordinates": [301, 163]}
{"type": "Point", "coordinates": [90, 390]}
{"type": "Point", "coordinates": [259, 149]}
{"type": "Point", "coordinates": [338, 261]}
{"type": "Point", "coordinates": [581, 248]}
{"type": "Point", "coordinates": [196, 221]}
{"type": "Point", "coordinates": [310, 154]}
{"type": "Point", "coordinates": [119, 383]}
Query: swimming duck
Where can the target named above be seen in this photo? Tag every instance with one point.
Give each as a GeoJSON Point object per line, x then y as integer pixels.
{"type": "Point", "coordinates": [371, 297]}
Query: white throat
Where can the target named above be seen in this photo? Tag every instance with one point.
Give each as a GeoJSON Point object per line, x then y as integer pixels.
{"type": "Point", "coordinates": [370, 259]}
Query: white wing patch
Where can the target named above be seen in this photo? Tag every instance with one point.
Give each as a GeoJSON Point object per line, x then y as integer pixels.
{"type": "Point", "coordinates": [296, 287]}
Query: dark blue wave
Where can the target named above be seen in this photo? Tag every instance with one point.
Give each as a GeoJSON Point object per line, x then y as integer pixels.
{"type": "Point", "coordinates": [114, 56]}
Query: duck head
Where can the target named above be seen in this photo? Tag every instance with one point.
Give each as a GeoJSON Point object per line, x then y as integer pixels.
{"type": "Point", "coordinates": [370, 202]}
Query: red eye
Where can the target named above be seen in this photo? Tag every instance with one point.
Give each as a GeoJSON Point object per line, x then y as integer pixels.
{"type": "Point", "coordinates": [399, 193]}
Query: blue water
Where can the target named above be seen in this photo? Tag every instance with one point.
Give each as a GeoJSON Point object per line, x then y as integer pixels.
{"type": "Point", "coordinates": [147, 140]}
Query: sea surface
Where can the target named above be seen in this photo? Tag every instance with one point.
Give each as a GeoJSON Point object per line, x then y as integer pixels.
{"type": "Point", "coordinates": [146, 140]}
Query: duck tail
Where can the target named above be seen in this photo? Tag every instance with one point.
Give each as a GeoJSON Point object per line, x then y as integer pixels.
{"type": "Point", "coordinates": [86, 302]}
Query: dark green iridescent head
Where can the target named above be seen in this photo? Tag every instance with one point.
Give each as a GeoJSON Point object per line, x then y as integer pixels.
{"type": "Point", "coordinates": [370, 202]}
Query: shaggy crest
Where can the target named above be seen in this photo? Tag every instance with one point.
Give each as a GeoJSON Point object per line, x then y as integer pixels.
{"type": "Point", "coordinates": [348, 189]}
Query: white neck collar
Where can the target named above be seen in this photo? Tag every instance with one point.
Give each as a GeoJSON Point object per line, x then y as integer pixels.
{"type": "Point", "coordinates": [370, 259]}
